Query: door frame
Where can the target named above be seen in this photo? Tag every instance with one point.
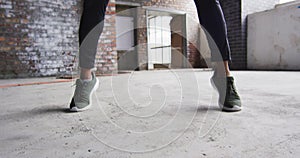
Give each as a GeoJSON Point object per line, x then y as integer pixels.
{"type": "Point", "coordinates": [184, 29]}
{"type": "Point", "coordinates": [132, 6]}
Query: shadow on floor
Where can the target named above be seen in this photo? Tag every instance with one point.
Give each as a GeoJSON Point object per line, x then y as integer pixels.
{"type": "Point", "coordinates": [54, 109]}
{"type": "Point", "coordinates": [35, 113]}
{"type": "Point", "coordinates": [202, 108]}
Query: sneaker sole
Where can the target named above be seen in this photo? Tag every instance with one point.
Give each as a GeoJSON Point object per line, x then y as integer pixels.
{"type": "Point", "coordinates": [75, 109]}
{"type": "Point", "coordinates": [233, 109]}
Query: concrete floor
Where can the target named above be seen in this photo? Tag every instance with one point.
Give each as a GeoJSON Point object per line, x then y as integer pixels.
{"type": "Point", "coordinates": [168, 114]}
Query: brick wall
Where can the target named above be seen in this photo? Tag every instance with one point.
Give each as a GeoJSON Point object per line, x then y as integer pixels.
{"type": "Point", "coordinates": [106, 57]}
{"type": "Point", "coordinates": [232, 12]}
{"type": "Point", "coordinates": [38, 38]}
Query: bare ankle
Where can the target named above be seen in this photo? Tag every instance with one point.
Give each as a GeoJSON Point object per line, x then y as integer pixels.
{"type": "Point", "coordinates": [85, 74]}
{"type": "Point", "coordinates": [222, 69]}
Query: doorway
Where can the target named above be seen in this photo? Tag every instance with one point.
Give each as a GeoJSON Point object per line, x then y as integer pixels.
{"type": "Point", "coordinates": [166, 39]}
{"type": "Point", "coordinates": [126, 37]}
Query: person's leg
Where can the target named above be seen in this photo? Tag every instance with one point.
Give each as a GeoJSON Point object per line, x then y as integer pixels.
{"type": "Point", "coordinates": [211, 17]}
{"type": "Point", "coordinates": [91, 27]}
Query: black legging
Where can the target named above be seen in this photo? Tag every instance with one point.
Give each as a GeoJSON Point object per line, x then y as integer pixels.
{"type": "Point", "coordinates": [210, 15]}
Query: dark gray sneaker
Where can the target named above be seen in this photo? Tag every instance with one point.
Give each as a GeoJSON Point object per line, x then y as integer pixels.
{"type": "Point", "coordinates": [229, 99]}
{"type": "Point", "coordinates": [82, 99]}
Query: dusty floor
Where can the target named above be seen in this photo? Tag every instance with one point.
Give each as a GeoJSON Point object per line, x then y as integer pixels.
{"type": "Point", "coordinates": [153, 114]}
